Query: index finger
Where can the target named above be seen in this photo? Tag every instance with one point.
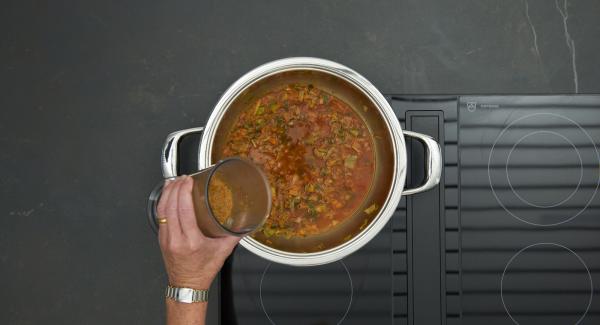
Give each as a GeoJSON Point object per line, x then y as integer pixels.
{"type": "Point", "coordinates": [172, 210]}
{"type": "Point", "coordinates": [187, 214]}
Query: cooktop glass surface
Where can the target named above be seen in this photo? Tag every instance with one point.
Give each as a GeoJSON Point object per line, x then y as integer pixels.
{"type": "Point", "coordinates": [511, 235]}
{"type": "Point", "coordinates": [530, 236]}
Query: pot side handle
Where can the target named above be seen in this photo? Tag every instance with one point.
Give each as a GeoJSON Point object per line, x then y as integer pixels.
{"type": "Point", "coordinates": [170, 150]}
{"type": "Point", "coordinates": [433, 163]}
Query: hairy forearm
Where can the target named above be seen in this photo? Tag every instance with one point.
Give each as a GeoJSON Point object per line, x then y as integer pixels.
{"type": "Point", "coordinates": [179, 313]}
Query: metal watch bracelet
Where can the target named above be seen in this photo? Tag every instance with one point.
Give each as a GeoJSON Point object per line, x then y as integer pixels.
{"type": "Point", "coordinates": [186, 295]}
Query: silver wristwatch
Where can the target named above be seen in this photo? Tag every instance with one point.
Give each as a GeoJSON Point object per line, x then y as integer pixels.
{"type": "Point", "coordinates": [186, 295]}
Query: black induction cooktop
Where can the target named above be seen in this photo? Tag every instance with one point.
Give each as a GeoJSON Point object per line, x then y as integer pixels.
{"type": "Point", "coordinates": [510, 236]}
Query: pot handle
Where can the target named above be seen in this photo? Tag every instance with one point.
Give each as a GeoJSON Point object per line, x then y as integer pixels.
{"type": "Point", "coordinates": [433, 163]}
{"type": "Point", "coordinates": [169, 153]}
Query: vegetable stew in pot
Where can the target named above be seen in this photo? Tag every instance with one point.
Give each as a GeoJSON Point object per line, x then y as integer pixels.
{"type": "Point", "coordinates": [317, 153]}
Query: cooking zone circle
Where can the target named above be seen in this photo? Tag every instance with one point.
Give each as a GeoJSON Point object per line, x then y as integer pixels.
{"type": "Point", "coordinates": [525, 158]}
{"type": "Point", "coordinates": [530, 201]}
{"type": "Point", "coordinates": [289, 295]}
{"type": "Point", "coordinates": [553, 276]}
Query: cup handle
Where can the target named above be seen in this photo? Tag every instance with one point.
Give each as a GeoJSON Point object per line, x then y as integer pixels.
{"type": "Point", "coordinates": [170, 150]}
{"type": "Point", "coordinates": [433, 163]}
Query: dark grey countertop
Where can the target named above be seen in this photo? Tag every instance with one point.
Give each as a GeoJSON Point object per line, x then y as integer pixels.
{"type": "Point", "coordinates": [89, 91]}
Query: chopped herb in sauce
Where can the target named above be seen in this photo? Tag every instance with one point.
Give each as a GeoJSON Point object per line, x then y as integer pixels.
{"type": "Point", "coordinates": [371, 209]}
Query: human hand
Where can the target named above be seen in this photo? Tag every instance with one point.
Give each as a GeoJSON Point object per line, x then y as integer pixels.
{"type": "Point", "coordinates": [191, 259]}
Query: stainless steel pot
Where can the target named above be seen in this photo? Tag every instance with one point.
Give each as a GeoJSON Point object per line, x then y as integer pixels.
{"type": "Point", "coordinates": [373, 108]}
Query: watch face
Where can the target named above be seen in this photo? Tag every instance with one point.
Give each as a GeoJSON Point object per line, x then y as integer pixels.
{"type": "Point", "coordinates": [185, 295]}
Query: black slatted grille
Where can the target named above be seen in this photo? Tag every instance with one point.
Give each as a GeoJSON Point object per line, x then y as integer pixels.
{"type": "Point", "coordinates": [450, 221]}
{"type": "Point", "coordinates": [399, 265]}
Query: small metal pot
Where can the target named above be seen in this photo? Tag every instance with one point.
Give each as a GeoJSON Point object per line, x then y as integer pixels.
{"type": "Point", "coordinates": [369, 103]}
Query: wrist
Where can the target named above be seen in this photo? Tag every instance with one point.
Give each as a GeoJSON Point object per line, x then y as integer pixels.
{"type": "Point", "coordinates": [193, 283]}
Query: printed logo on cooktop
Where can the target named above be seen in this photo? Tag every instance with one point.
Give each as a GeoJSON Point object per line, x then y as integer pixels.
{"type": "Point", "coordinates": [471, 106]}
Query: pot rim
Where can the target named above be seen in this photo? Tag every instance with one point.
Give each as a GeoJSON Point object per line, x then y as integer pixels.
{"type": "Point", "coordinates": [398, 146]}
